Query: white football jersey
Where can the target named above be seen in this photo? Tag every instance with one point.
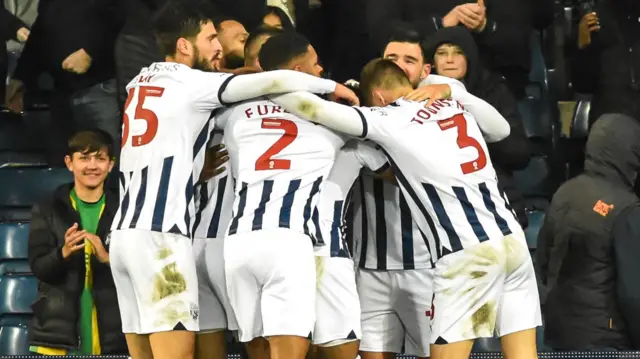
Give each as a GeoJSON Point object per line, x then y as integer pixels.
{"type": "Point", "coordinates": [335, 192]}
{"type": "Point", "coordinates": [385, 236]}
{"type": "Point", "coordinates": [279, 162]}
{"type": "Point", "coordinates": [442, 165]}
{"type": "Point", "coordinates": [164, 134]}
{"type": "Point", "coordinates": [214, 201]}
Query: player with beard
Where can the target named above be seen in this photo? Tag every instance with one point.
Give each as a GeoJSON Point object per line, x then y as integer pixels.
{"type": "Point", "coordinates": [232, 36]}
{"type": "Point", "coordinates": [166, 125]}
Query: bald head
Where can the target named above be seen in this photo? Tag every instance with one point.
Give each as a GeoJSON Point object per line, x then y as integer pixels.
{"type": "Point", "coordinates": [381, 80]}
{"type": "Point", "coordinates": [232, 36]}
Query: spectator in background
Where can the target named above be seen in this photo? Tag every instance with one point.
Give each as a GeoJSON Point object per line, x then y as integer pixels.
{"type": "Point", "coordinates": [454, 54]}
{"type": "Point", "coordinates": [135, 45]}
{"type": "Point", "coordinates": [76, 311]}
{"type": "Point", "coordinates": [606, 62]}
{"type": "Point", "coordinates": [73, 41]}
{"type": "Point", "coordinates": [276, 17]}
{"type": "Point", "coordinates": [232, 36]}
{"type": "Point", "coordinates": [254, 43]}
{"type": "Point", "coordinates": [501, 28]}
{"type": "Point", "coordinates": [589, 245]}
{"type": "Point", "coordinates": [11, 28]}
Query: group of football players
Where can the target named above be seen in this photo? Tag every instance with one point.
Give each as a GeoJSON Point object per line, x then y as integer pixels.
{"type": "Point", "coordinates": [258, 244]}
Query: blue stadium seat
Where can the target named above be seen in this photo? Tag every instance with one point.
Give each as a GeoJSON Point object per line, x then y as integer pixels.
{"type": "Point", "coordinates": [22, 187]}
{"type": "Point", "coordinates": [14, 340]}
{"type": "Point", "coordinates": [17, 293]}
{"type": "Point", "coordinates": [537, 123]}
{"type": "Point", "coordinates": [536, 218]}
{"type": "Point", "coordinates": [14, 240]}
{"type": "Point", "coordinates": [580, 120]}
{"type": "Point", "coordinates": [534, 181]}
{"type": "Point", "coordinates": [539, 82]}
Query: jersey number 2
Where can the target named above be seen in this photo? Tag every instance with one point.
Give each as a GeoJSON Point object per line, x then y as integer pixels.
{"type": "Point", "coordinates": [141, 113]}
{"type": "Point", "coordinates": [464, 141]}
{"type": "Point", "coordinates": [266, 160]}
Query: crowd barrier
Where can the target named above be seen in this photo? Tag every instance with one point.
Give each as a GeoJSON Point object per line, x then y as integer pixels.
{"type": "Point", "coordinates": [541, 355]}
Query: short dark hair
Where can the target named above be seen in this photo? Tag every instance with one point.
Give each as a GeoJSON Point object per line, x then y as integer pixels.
{"type": "Point", "coordinates": [90, 141]}
{"type": "Point", "coordinates": [383, 74]}
{"type": "Point", "coordinates": [407, 34]}
{"type": "Point", "coordinates": [180, 19]}
{"type": "Point", "coordinates": [287, 25]}
{"type": "Point", "coordinates": [220, 18]}
{"type": "Point", "coordinates": [258, 33]}
{"type": "Point", "coordinates": [280, 49]}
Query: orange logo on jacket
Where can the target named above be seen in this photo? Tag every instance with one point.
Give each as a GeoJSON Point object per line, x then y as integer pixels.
{"type": "Point", "coordinates": [602, 208]}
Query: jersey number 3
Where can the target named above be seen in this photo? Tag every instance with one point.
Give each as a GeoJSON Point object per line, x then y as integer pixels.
{"type": "Point", "coordinates": [464, 141]}
{"type": "Point", "coordinates": [266, 160]}
{"type": "Point", "coordinates": [141, 113]}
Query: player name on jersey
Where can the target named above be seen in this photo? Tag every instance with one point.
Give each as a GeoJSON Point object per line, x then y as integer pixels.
{"type": "Point", "coordinates": [279, 162]}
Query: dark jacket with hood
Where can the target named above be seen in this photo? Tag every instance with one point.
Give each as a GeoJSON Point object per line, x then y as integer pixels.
{"type": "Point", "coordinates": [609, 67]}
{"type": "Point", "coordinates": [56, 311]}
{"type": "Point", "coordinates": [589, 245]}
{"type": "Point", "coordinates": [512, 153]}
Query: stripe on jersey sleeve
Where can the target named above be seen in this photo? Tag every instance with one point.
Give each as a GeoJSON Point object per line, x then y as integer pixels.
{"type": "Point", "coordinates": [267, 188]}
{"type": "Point", "coordinates": [365, 126]}
{"type": "Point", "coordinates": [287, 203]}
{"type": "Point", "coordinates": [491, 206]}
{"type": "Point", "coordinates": [222, 88]}
{"type": "Point", "coordinates": [139, 203]}
{"type": "Point", "coordinates": [470, 213]}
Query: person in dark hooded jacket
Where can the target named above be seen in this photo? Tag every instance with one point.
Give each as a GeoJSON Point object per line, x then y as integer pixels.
{"type": "Point", "coordinates": [454, 53]}
{"type": "Point", "coordinates": [589, 245]}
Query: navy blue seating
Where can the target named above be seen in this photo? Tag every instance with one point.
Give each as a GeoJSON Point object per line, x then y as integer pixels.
{"type": "Point", "coordinates": [535, 184]}
{"type": "Point", "coordinates": [14, 331]}
{"type": "Point", "coordinates": [536, 218]}
{"type": "Point", "coordinates": [537, 123]}
{"type": "Point", "coordinates": [14, 240]}
{"type": "Point", "coordinates": [17, 293]}
{"type": "Point", "coordinates": [23, 138]}
{"type": "Point", "coordinates": [22, 187]}
{"type": "Point", "coordinates": [580, 120]}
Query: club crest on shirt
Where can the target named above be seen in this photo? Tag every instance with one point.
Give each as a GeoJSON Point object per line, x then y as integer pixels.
{"type": "Point", "coordinates": [194, 311]}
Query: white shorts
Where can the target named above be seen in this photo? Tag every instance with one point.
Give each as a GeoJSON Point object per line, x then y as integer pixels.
{"type": "Point", "coordinates": [155, 277]}
{"type": "Point", "coordinates": [396, 310]}
{"type": "Point", "coordinates": [271, 283]}
{"type": "Point", "coordinates": [337, 303]}
{"type": "Point", "coordinates": [216, 313]}
{"type": "Point", "coordinates": [485, 289]}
